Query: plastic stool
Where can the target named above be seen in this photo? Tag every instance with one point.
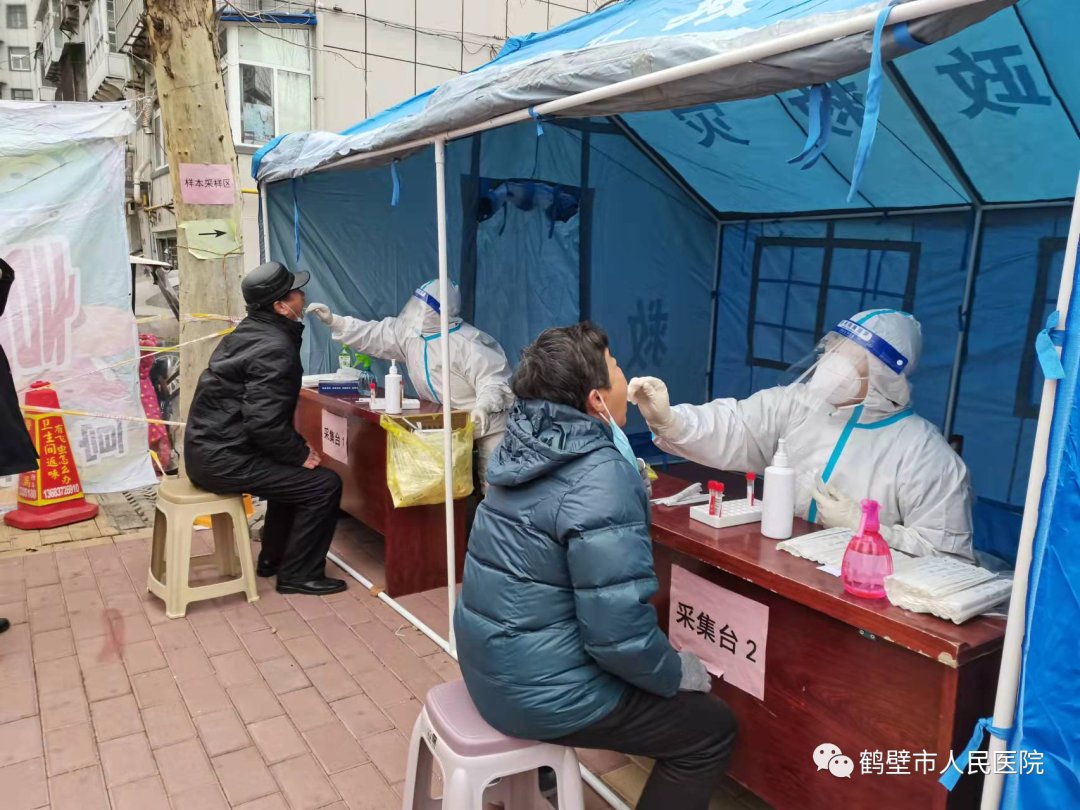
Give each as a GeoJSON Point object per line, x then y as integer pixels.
{"type": "Point", "coordinates": [473, 756]}
{"type": "Point", "coordinates": [179, 503]}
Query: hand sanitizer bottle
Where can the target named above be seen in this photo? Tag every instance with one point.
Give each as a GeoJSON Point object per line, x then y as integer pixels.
{"type": "Point", "coordinates": [868, 559]}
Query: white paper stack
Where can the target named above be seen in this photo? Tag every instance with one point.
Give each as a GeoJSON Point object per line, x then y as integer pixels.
{"type": "Point", "coordinates": [947, 588]}
{"type": "Point", "coordinates": [827, 548]}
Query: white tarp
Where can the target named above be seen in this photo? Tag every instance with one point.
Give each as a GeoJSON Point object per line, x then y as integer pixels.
{"type": "Point", "coordinates": [63, 231]}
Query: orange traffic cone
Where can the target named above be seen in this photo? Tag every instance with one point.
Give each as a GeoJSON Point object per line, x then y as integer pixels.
{"type": "Point", "coordinates": [51, 495]}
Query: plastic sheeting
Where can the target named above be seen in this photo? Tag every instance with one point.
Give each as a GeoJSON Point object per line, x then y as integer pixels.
{"type": "Point", "coordinates": [1048, 711]}
{"type": "Point", "coordinates": [619, 42]}
{"type": "Point", "coordinates": [62, 229]}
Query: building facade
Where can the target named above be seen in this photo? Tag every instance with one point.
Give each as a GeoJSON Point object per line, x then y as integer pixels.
{"type": "Point", "coordinates": [288, 65]}
{"type": "Point", "coordinates": [18, 80]}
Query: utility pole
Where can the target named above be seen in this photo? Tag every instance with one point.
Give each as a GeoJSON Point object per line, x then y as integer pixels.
{"type": "Point", "coordinates": [202, 165]}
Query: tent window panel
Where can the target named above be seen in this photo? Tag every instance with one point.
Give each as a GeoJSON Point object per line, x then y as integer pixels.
{"type": "Point", "coordinates": [802, 286]}
{"type": "Point", "coordinates": [1043, 302]}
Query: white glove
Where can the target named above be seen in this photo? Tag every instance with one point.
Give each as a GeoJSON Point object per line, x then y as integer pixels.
{"type": "Point", "coordinates": [644, 472]}
{"type": "Point", "coordinates": [322, 312]}
{"type": "Point", "coordinates": [695, 678]}
{"type": "Point", "coordinates": [835, 510]}
{"type": "Point", "coordinates": [651, 397]}
{"type": "Point", "coordinates": [482, 420]}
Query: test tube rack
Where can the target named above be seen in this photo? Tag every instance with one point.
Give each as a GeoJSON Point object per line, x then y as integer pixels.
{"type": "Point", "coordinates": [734, 513]}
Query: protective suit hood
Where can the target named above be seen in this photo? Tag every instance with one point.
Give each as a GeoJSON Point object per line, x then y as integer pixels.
{"type": "Point", "coordinates": [422, 311]}
{"type": "Point", "coordinates": [888, 390]}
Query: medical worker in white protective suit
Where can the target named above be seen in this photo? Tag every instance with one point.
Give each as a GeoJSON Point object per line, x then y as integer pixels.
{"type": "Point", "coordinates": [850, 434]}
{"type": "Point", "coordinates": [479, 372]}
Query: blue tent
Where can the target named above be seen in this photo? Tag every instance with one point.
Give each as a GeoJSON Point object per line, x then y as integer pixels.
{"type": "Point", "coordinates": [717, 224]}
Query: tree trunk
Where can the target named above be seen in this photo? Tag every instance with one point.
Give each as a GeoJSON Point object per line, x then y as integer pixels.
{"type": "Point", "coordinates": [183, 46]}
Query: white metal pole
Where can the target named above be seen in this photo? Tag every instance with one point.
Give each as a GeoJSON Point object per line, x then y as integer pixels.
{"type": "Point", "coordinates": [1012, 653]}
{"type": "Point", "coordinates": [264, 205]}
{"type": "Point", "coordinates": [444, 347]}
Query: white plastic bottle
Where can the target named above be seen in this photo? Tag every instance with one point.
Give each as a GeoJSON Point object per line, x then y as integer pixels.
{"type": "Point", "coordinates": [778, 503]}
{"type": "Point", "coordinates": [393, 389]}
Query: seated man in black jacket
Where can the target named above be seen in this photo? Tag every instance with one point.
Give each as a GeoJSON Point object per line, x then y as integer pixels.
{"type": "Point", "coordinates": [240, 435]}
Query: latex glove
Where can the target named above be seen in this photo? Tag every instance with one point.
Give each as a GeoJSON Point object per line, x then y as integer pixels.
{"type": "Point", "coordinates": [643, 470]}
{"type": "Point", "coordinates": [835, 510]}
{"type": "Point", "coordinates": [695, 678]}
{"type": "Point", "coordinates": [651, 396]}
{"type": "Point", "coordinates": [481, 418]}
{"type": "Point", "coordinates": [322, 312]}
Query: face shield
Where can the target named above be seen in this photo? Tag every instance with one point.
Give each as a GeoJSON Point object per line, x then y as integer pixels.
{"type": "Point", "coordinates": [422, 311]}
{"type": "Point", "coordinates": [854, 363]}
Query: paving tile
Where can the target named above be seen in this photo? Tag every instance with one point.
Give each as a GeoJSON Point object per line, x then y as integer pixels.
{"type": "Point", "coordinates": [304, 784]}
{"type": "Point", "coordinates": [24, 785]}
{"type": "Point", "coordinates": [116, 717]}
{"type": "Point", "coordinates": [137, 628]}
{"type": "Point", "coordinates": [331, 628]}
{"type": "Point", "coordinates": [389, 751]}
{"type": "Point", "coordinates": [235, 669]}
{"type": "Point", "coordinates": [175, 635]}
{"type": "Point", "coordinates": [58, 675]}
{"type": "Point", "coordinates": [363, 788]}
{"type": "Point", "coordinates": [43, 620]}
{"type": "Point", "coordinates": [17, 639]}
{"type": "Point", "coordinates": [309, 651]}
{"type": "Point", "coordinates": [309, 607]}
{"type": "Point", "coordinates": [69, 749]}
{"type": "Point", "coordinates": [283, 675]}
{"type": "Point", "coordinates": [87, 623]}
{"type": "Point", "coordinates": [45, 596]}
{"type": "Point", "coordinates": [335, 748]}
{"type": "Point", "coordinates": [271, 602]}
{"type": "Point", "coordinates": [255, 702]}
{"type": "Point", "coordinates": [288, 625]}
{"type": "Point", "coordinates": [204, 696]}
{"type": "Point", "coordinates": [244, 776]}
{"type": "Point", "coordinates": [168, 724]}
{"type": "Point", "coordinates": [602, 762]}
{"type": "Point", "coordinates": [14, 612]}
{"type": "Point", "coordinates": [307, 708]}
{"type": "Point", "coordinates": [189, 663]}
{"type": "Point", "coordinates": [204, 797]}
{"type": "Point", "coordinates": [107, 681]}
{"type": "Point", "coordinates": [352, 612]}
{"type": "Point", "coordinates": [404, 714]}
{"type": "Point", "coordinates": [19, 701]}
{"type": "Point", "coordinates": [155, 688]}
{"type": "Point", "coordinates": [628, 781]}
{"type": "Point", "coordinates": [16, 667]}
{"type": "Point", "coordinates": [20, 740]}
{"type": "Point", "coordinates": [358, 658]}
{"type": "Point", "coordinates": [362, 717]}
{"type": "Point", "coordinates": [221, 732]}
{"type": "Point", "coordinates": [88, 601]}
{"type": "Point", "coordinates": [145, 794]}
{"type": "Point", "coordinates": [143, 656]}
{"type": "Point", "coordinates": [263, 645]}
{"type": "Point", "coordinates": [382, 687]}
{"type": "Point", "coordinates": [272, 802]}
{"type": "Point", "coordinates": [60, 709]}
{"type": "Point", "coordinates": [78, 790]}
{"type": "Point", "coordinates": [277, 740]}
{"type": "Point", "coordinates": [184, 766]}
{"type": "Point", "coordinates": [245, 618]}
{"type": "Point", "coordinates": [127, 759]}
{"type": "Point", "coordinates": [217, 638]}
{"type": "Point", "coordinates": [444, 666]}
{"type": "Point", "coordinates": [333, 682]}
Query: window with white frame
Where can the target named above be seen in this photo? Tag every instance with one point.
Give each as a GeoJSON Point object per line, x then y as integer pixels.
{"type": "Point", "coordinates": [160, 156]}
{"type": "Point", "coordinates": [19, 59]}
{"type": "Point", "coordinates": [267, 75]}
{"type": "Point", "coordinates": [16, 17]}
{"type": "Point", "coordinates": [110, 23]}
{"type": "Point", "coordinates": [22, 95]}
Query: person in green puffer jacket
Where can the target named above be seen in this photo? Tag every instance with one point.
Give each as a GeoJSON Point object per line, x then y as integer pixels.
{"type": "Point", "coordinates": [556, 638]}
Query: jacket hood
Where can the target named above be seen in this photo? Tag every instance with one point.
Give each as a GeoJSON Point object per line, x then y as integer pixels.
{"type": "Point", "coordinates": [542, 436]}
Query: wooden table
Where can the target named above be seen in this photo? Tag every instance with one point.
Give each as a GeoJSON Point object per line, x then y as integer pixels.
{"type": "Point", "coordinates": [863, 675]}
{"type": "Point", "coordinates": [415, 536]}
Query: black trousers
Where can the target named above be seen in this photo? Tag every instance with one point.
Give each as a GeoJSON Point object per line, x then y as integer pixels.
{"type": "Point", "coordinates": [690, 736]}
{"type": "Point", "coordinates": [301, 512]}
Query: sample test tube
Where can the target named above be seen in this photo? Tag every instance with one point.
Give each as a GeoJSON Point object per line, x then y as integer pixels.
{"type": "Point", "coordinates": [372, 389]}
{"type": "Point", "coordinates": [716, 499]}
{"type": "Point", "coordinates": [750, 479]}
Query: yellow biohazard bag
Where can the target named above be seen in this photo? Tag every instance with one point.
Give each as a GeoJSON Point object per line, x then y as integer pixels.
{"type": "Point", "coordinates": [414, 463]}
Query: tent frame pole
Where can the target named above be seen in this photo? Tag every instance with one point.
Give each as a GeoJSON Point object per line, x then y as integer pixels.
{"type": "Point", "coordinates": [444, 350]}
{"type": "Point", "coordinates": [966, 303]}
{"type": "Point", "coordinates": [709, 372]}
{"type": "Point", "coordinates": [1012, 653]}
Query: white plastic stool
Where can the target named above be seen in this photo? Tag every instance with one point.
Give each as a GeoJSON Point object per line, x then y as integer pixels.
{"type": "Point", "coordinates": [473, 755]}
{"type": "Point", "coordinates": [179, 503]}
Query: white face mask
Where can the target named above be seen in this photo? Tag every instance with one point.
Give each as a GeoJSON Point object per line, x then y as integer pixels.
{"type": "Point", "coordinates": [836, 379]}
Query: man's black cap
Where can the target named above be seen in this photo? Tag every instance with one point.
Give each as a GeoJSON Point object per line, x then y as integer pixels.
{"type": "Point", "coordinates": [271, 282]}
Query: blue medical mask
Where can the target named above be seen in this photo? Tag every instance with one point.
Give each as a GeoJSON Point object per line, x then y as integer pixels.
{"type": "Point", "coordinates": [622, 444]}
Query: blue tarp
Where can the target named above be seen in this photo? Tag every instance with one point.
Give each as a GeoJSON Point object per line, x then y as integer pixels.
{"type": "Point", "coordinates": [713, 262]}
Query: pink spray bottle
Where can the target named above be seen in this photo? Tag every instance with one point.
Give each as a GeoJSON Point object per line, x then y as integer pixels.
{"type": "Point", "coordinates": [868, 558]}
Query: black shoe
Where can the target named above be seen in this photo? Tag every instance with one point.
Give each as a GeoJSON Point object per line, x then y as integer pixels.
{"type": "Point", "coordinates": [265, 569]}
{"type": "Point", "coordinates": [5, 624]}
{"type": "Point", "coordinates": [313, 587]}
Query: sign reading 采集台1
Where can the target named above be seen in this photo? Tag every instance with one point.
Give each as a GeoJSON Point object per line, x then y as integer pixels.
{"type": "Point", "coordinates": [335, 437]}
{"type": "Point", "coordinates": [726, 631]}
